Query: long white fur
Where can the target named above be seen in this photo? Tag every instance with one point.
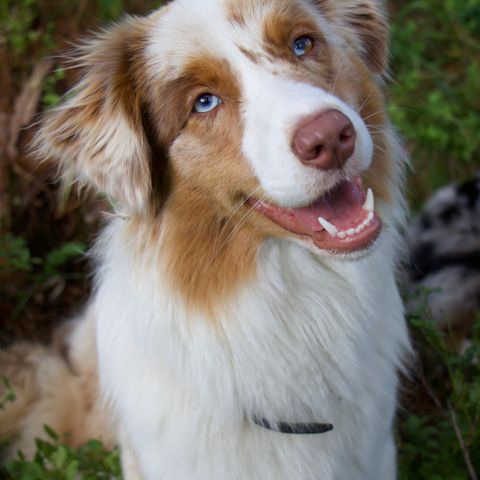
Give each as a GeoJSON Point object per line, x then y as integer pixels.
{"type": "Point", "coordinates": [308, 341]}
{"type": "Point", "coordinates": [313, 338]}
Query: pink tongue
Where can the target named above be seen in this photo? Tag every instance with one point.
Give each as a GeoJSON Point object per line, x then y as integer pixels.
{"type": "Point", "coordinates": [341, 206]}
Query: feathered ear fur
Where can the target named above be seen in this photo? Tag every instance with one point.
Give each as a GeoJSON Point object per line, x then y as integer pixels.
{"type": "Point", "coordinates": [96, 134]}
{"type": "Point", "coordinates": [362, 23]}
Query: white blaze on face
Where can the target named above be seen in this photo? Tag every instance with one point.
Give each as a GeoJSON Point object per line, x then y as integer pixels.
{"type": "Point", "coordinates": [272, 105]}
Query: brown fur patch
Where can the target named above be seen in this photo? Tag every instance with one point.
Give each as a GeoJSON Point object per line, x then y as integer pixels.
{"type": "Point", "coordinates": [373, 34]}
{"type": "Point", "coordinates": [286, 22]}
{"type": "Point", "coordinates": [252, 56]}
{"type": "Point", "coordinates": [206, 233]}
{"type": "Point", "coordinates": [110, 91]}
{"type": "Point", "coordinates": [372, 109]}
{"type": "Point", "coordinates": [171, 103]}
{"type": "Point", "coordinates": [363, 24]}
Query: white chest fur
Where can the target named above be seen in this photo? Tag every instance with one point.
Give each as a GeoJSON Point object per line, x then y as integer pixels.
{"type": "Point", "coordinates": [311, 340]}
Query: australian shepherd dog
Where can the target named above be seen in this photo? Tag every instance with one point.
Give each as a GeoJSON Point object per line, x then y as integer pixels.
{"type": "Point", "coordinates": [246, 323]}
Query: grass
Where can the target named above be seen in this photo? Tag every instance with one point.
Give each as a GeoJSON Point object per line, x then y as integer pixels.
{"type": "Point", "coordinates": [435, 104]}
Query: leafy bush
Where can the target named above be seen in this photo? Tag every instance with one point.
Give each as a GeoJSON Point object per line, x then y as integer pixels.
{"type": "Point", "coordinates": [16, 260]}
{"type": "Point", "coordinates": [434, 95]}
{"type": "Point", "coordinates": [14, 255]}
{"type": "Point", "coordinates": [440, 437]}
{"type": "Point", "coordinates": [56, 461]}
{"type": "Point", "coordinates": [435, 103]}
{"type": "Point", "coordinates": [19, 30]}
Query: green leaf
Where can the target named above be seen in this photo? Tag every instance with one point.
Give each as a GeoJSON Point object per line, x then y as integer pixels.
{"type": "Point", "coordinates": [60, 256]}
{"type": "Point", "coordinates": [51, 433]}
{"type": "Point", "coordinates": [110, 9]}
{"type": "Point", "coordinates": [59, 457]}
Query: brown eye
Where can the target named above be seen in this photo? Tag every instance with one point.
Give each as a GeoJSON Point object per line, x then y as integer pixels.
{"type": "Point", "coordinates": [302, 45]}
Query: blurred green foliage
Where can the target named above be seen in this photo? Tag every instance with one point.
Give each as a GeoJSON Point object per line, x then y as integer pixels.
{"type": "Point", "coordinates": [14, 255]}
{"type": "Point", "coordinates": [50, 96]}
{"type": "Point", "coordinates": [56, 461]}
{"type": "Point", "coordinates": [16, 258]}
{"type": "Point", "coordinates": [8, 395]}
{"type": "Point", "coordinates": [19, 29]}
{"type": "Point", "coordinates": [110, 9]}
{"type": "Point", "coordinates": [434, 101]}
{"type": "Point", "coordinates": [434, 94]}
{"type": "Point", "coordinates": [430, 445]}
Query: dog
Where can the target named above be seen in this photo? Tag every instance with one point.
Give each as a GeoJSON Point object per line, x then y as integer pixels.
{"type": "Point", "coordinates": [246, 319]}
{"type": "Point", "coordinates": [444, 252]}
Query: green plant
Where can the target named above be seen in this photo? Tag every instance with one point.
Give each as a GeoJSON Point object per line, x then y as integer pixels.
{"type": "Point", "coordinates": [441, 439]}
{"type": "Point", "coordinates": [8, 395]}
{"type": "Point", "coordinates": [14, 255]}
{"type": "Point", "coordinates": [110, 9]}
{"type": "Point", "coordinates": [16, 260]}
{"type": "Point", "coordinates": [56, 461]}
{"type": "Point", "coordinates": [51, 267]}
{"type": "Point", "coordinates": [19, 29]}
{"type": "Point", "coordinates": [50, 97]}
{"type": "Point", "coordinates": [434, 95]}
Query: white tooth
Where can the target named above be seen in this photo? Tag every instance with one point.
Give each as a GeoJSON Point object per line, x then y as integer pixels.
{"type": "Point", "coordinates": [342, 234]}
{"type": "Point", "coordinates": [369, 202]}
{"type": "Point", "coordinates": [367, 221]}
{"type": "Point", "coordinates": [351, 231]}
{"type": "Point", "coordinates": [360, 228]}
{"type": "Point", "coordinates": [331, 229]}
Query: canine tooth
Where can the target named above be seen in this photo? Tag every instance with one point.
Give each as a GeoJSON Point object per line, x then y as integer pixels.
{"type": "Point", "coordinates": [369, 202]}
{"type": "Point", "coordinates": [331, 229]}
{"type": "Point", "coordinates": [360, 228]}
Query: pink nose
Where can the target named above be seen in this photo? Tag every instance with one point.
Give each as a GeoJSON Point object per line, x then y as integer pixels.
{"type": "Point", "coordinates": [325, 142]}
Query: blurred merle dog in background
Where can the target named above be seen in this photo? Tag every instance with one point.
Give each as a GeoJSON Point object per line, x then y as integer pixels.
{"type": "Point", "coordinates": [444, 244]}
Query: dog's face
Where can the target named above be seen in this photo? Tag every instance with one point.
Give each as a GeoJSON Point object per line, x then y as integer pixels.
{"type": "Point", "coordinates": [237, 120]}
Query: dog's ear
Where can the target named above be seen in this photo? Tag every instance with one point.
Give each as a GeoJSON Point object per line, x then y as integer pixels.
{"type": "Point", "coordinates": [364, 24]}
{"type": "Point", "coordinates": [96, 134]}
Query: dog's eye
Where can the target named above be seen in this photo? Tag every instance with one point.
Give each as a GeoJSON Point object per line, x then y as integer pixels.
{"type": "Point", "coordinates": [206, 103]}
{"type": "Point", "coordinates": [302, 45]}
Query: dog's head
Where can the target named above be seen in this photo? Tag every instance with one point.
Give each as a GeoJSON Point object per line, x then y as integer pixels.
{"type": "Point", "coordinates": [237, 120]}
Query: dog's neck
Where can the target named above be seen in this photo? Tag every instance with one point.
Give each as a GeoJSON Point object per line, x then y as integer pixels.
{"type": "Point", "coordinates": [286, 347]}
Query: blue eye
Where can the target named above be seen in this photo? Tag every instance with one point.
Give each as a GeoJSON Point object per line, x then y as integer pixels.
{"type": "Point", "coordinates": [206, 103]}
{"type": "Point", "coordinates": [302, 45]}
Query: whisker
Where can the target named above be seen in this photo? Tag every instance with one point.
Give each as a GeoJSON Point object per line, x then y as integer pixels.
{"type": "Point", "coordinates": [333, 84]}
{"type": "Point", "coordinates": [372, 115]}
{"type": "Point", "coordinates": [366, 102]}
{"type": "Point", "coordinates": [218, 237]}
{"type": "Point", "coordinates": [241, 222]}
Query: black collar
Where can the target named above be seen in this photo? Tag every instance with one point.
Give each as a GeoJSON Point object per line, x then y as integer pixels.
{"type": "Point", "coordinates": [294, 428]}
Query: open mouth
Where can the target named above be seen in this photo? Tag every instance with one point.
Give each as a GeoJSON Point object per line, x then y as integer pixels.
{"type": "Point", "coordinates": [343, 220]}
